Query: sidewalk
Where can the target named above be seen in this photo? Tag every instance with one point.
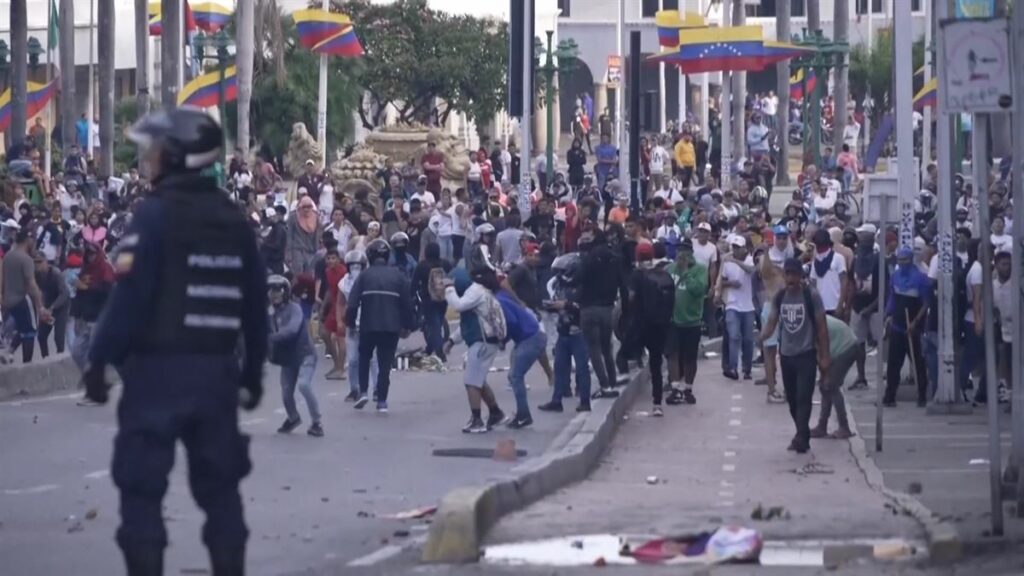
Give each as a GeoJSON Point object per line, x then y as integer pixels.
{"type": "Point", "coordinates": [712, 464]}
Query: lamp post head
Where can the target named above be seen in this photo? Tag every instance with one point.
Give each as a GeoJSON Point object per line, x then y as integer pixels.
{"type": "Point", "coordinates": [35, 50]}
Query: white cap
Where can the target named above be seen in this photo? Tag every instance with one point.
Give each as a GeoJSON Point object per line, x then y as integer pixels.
{"type": "Point", "coordinates": [11, 223]}
{"type": "Point", "coordinates": [737, 240]}
{"type": "Point", "coordinates": [704, 226]}
{"type": "Point", "coordinates": [270, 212]}
{"type": "Point", "coordinates": [867, 228]}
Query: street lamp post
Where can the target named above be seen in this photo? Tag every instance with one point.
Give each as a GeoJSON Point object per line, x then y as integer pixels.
{"type": "Point", "coordinates": [219, 42]}
{"type": "Point", "coordinates": [566, 53]}
{"type": "Point", "coordinates": [826, 55]}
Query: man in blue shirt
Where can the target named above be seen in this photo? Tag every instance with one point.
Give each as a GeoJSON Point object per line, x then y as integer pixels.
{"type": "Point", "coordinates": [82, 132]}
{"type": "Point", "coordinates": [523, 329]}
{"type": "Point", "coordinates": [907, 306]}
{"type": "Point", "coordinates": [607, 161]}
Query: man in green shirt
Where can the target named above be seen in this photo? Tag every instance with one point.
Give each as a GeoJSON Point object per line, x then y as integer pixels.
{"type": "Point", "coordinates": [691, 280]}
{"type": "Point", "coordinates": [842, 347]}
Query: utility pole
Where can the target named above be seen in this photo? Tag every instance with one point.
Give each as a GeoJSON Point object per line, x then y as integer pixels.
{"type": "Point", "coordinates": [90, 101]}
{"type": "Point", "coordinates": [1013, 473]}
{"type": "Point", "coordinates": [814, 15]}
{"type": "Point", "coordinates": [244, 54]}
{"type": "Point", "coordinates": [662, 113]}
{"type": "Point", "coordinates": [783, 10]}
{"type": "Point", "coordinates": [321, 102]}
{"type": "Point", "coordinates": [105, 165]}
{"type": "Point", "coordinates": [170, 52]}
{"type": "Point", "coordinates": [142, 56]}
{"type": "Point", "coordinates": [725, 111]}
{"type": "Point", "coordinates": [841, 35]}
{"type": "Point", "coordinates": [19, 71]}
{"type": "Point", "coordinates": [926, 130]}
{"type": "Point", "coordinates": [903, 66]}
{"type": "Point", "coordinates": [621, 143]}
{"type": "Point", "coordinates": [739, 93]}
{"type": "Point", "coordinates": [67, 81]}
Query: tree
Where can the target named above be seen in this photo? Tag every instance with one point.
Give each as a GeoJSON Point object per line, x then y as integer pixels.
{"type": "Point", "coordinates": [782, 33]}
{"type": "Point", "coordinates": [841, 33]}
{"type": "Point", "coordinates": [142, 55]}
{"type": "Point", "coordinates": [871, 73]}
{"type": "Point", "coordinates": [67, 81]}
{"type": "Point", "coordinates": [106, 33]}
{"type": "Point", "coordinates": [170, 49]}
{"type": "Point", "coordinates": [279, 101]}
{"type": "Point", "coordinates": [245, 30]}
{"type": "Point", "coordinates": [19, 69]}
{"type": "Point", "coordinates": [418, 59]}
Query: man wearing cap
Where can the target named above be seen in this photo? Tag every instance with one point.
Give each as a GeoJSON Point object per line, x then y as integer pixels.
{"type": "Point", "coordinates": [311, 180]}
{"type": "Point", "coordinates": [905, 310]}
{"type": "Point", "coordinates": [691, 282]}
{"type": "Point", "coordinates": [828, 274]}
{"type": "Point", "coordinates": [735, 291]}
{"type": "Point", "coordinates": [426, 197]}
{"type": "Point", "coordinates": [771, 277]}
{"type": "Point", "coordinates": [705, 253]}
{"type": "Point", "coordinates": [803, 344]}
{"type": "Point", "coordinates": [864, 299]}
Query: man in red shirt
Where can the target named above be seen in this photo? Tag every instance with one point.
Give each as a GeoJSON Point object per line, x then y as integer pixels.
{"type": "Point", "coordinates": [433, 164]}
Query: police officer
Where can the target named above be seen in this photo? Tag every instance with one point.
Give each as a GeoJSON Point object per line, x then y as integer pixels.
{"type": "Point", "coordinates": [380, 305]}
{"type": "Point", "coordinates": [190, 289]}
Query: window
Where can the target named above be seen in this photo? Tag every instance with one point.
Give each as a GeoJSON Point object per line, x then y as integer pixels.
{"type": "Point", "coordinates": [648, 8]}
{"type": "Point", "coordinates": [876, 7]}
{"type": "Point", "coordinates": [798, 8]}
{"type": "Point", "coordinates": [566, 7]}
{"type": "Point", "coordinates": [769, 9]}
{"type": "Point", "coordinates": [915, 5]}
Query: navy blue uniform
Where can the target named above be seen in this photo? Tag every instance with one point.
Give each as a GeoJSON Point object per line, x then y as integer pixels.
{"type": "Point", "coordinates": [191, 288]}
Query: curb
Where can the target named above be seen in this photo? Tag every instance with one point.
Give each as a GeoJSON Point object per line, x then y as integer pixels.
{"type": "Point", "coordinates": [45, 376]}
{"type": "Point", "coordinates": [944, 543]}
{"type": "Point", "coordinates": [467, 514]}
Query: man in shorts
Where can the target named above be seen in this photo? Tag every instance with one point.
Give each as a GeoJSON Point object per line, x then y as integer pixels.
{"type": "Point", "coordinates": [22, 300]}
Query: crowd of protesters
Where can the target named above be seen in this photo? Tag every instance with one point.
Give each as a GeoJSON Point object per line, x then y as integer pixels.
{"type": "Point", "coordinates": [560, 274]}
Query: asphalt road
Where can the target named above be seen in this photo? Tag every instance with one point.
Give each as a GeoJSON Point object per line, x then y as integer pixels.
{"type": "Point", "coordinates": [309, 502]}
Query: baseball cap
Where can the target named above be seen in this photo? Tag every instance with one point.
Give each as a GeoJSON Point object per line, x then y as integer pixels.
{"type": "Point", "coordinates": [422, 178]}
{"type": "Point", "coordinates": [867, 228]}
{"type": "Point", "coordinates": [793, 265]}
{"type": "Point", "coordinates": [309, 162]}
{"type": "Point", "coordinates": [822, 238]}
{"type": "Point", "coordinates": [737, 240]}
{"type": "Point", "coordinates": [904, 252]}
{"type": "Point", "coordinates": [780, 230]}
{"type": "Point", "coordinates": [704, 226]}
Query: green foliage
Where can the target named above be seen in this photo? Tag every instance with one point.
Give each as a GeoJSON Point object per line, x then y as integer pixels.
{"type": "Point", "coordinates": [874, 71]}
{"type": "Point", "coordinates": [126, 112]}
{"type": "Point", "coordinates": [278, 103]}
{"type": "Point", "coordinates": [415, 54]}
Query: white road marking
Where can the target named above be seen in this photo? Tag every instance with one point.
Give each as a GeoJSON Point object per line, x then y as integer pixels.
{"type": "Point", "coordinates": [75, 395]}
{"type": "Point", "coordinates": [735, 422]}
{"type": "Point", "coordinates": [726, 484]}
{"type": "Point", "coordinates": [728, 467]}
{"type": "Point", "coordinates": [389, 551]}
{"type": "Point", "coordinates": [726, 503]}
{"type": "Point", "coordinates": [1004, 435]}
{"type": "Point", "coordinates": [736, 409]}
{"type": "Point", "coordinates": [252, 421]}
{"type": "Point", "coordinates": [923, 471]}
{"type": "Point", "coordinates": [732, 437]}
{"type": "Point", "coordinates": [97, 474]}
{"type": "Point", "coordinates": [737, 396]}
{"type": "Point", "coordinates": [279, 411]}
{"type": "Point", "coordinates": [726, 494]}
{"type": "Point", "coordinates": [31, 490]}
{"type": "Point", "coordinates": [728, 454]}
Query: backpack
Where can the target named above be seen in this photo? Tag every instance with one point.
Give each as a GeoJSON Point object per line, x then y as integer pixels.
{"type": "Point", "coordinates": [659, 296]}
{"type": "Point", "coordinates": [808, 305]}
{"type": "Point", "coordinates": [435, 284]}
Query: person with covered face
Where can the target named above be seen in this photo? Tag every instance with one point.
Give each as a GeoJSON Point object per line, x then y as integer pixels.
{"type": "Point", "coordinates": [292, 349]}
{"type": "Point", "coordinates": [905, 311]}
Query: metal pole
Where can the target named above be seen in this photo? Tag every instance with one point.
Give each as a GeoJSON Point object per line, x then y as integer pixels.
{"type": "Point", "coordinates": [662, 115]}
{"type": "Point", "coordinates": [980, 168]}
{"type": "Point", "coordinates": [620, 92]}
{"type": "Point", "coordinates": [549, 103]}
{"type": "Point", "coordinates": [880, 356]}
{"type": "Point", "coordinates": [220, 102]}
{"type": "Point", "coordinates": [946, 394]}
{"type": "Point", "coordinates": [524, 122]}
{"type": "Point", "coordinates": [47, 153]}
{"type": "Point", "coordinates": [321, 106]}
{"type": "Point", "coordinates": [926, 125]}
{"type": "Point", "coordinates": [904, 68]}
{"type": "Point", "coordinates": [725, 110]}
{"type": "Point", "coordinates": [90, 103]}
{"type": "Point", "coordinates": [869, 42]}
{"type": "Point", "coordinates": [1017, 355]}
{"type": "Point", "coordinates": [179, 50]}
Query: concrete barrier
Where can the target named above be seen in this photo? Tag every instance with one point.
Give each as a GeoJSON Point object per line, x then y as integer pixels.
{"type": "Point", "coordinates": [53, 374]}
{"type": "Point", "coordinates": [465, 515]}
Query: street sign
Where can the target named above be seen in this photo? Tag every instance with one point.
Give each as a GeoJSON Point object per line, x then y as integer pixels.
{"type": "Point", "coordinates": [614, 71]}
{"type": "Point", "coordinates": [975, 8]}
{"type": "Point", "coordinates": [977, 72]}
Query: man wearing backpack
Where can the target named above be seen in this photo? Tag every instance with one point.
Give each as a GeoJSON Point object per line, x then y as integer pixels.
{"type": "Point", "coordinates": [652, 295]}
{"type": "Point", "coordinates": [803, 343]}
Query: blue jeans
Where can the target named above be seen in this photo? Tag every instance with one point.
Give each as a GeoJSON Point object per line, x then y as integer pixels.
{"type": "Point", "coordinates": [300, 377]}
{"type": "Point", "coordinates": [352, 344]}
{"type": "Point", "coordinates": [523, 356]}
{"type": "Point", "coordinates": [433, 327]}
{"type": "Point", "coordinates": [571, 348]}
{"type": "Point", "coordinates": [974, 356]}
{"type": "Point", "coordinates": [931, 359]}
{"type": "Point", "coordinates": [740, 326]}
{"type": "Point", "coordinates": [447, 248]}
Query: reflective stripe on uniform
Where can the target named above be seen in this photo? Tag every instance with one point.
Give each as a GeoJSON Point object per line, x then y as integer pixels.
{"type": "Point", "coordinates": [380, 293]}
{"type": "Point", "coordinates": [214, 291]}
{"type": "Point", "coordinates": [212, 321]}
{"type": "Point", "coordinates": [215, 262]}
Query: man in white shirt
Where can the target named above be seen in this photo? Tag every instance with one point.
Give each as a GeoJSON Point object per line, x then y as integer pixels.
{"type": "Point", "coordinates": [770, 107]}
{"type": "Point", "coordinates": [506, 165]}
{"type": "Point", "coordinates": [757, 138]}
{"type": "Point", "coordinates": [659, 159]}
{"type": "Point", "coordinates": [851, 133]}
{"type": "Point", "coordinates": [705, 252]}
{"type": "Point", "coordinates": [828, 275]}
{"type": "Point", "coordinates": [426, 197]}
{"type": "Point", "coordinates": [1002, 298]}
{"type": "Point", "coordinates": [735, 290]}
{"type": "Point", "coordinates": [670, 195]}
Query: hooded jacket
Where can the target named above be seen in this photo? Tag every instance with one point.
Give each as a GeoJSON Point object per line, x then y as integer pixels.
{"type": "Point", "coordinates": [381, 300]}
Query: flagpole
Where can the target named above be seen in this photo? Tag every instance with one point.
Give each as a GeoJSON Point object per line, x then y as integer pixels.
{"type": "Point", "coordinates": [92, 80]}
{"type": "Point", "coordinates": [180, 51]}
{"type": "Point", "coordinates": [48, 153]}
{"type": "Point", "coordinates": [321, 108]}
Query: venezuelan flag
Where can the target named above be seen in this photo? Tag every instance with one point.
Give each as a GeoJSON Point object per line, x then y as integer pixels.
{"type": "Point", "coordinates": [203, 92]}
{"type": "Point", "coordinates": [39, 95]}
{"type": "Point", "coordinates": [796, 84]}
{"type": "Point", "coordinates": [928, 95]}
{"type": "Point", "coordinates": [315, 26]}
{"type": "Point", "coordinates": [156, 19]}
{"type": "Point", "coordinates": [344, 43]}
{"type": "Point", "coordinates": [211, 16]}
{"type": "Point", "coordinates": [738, 48]}
{"type": "Point", "coordinates": [670, 22]}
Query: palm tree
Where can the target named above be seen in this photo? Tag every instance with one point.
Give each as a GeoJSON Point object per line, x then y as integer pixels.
{"type": "Point", "coordinates": [782, 33]}
{"type": "Point", "coordinates": [67, 81]}
{"type": "Point", "coordinates": [841, 31]}
{"type": "Point", "coordinates": [142, 56]}
{"type": "Point", "coordinates": [245, 50]}
{"type": "Point", "coordinates": [19, 69]}
{"type": "Point", "coordinates": [106, 32]}
{"type": "Point", "coordinates": [170, 51]}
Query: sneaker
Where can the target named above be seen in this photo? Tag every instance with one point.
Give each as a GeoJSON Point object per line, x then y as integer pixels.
{"type": "Point", "coordinates": [747, 376]}
{"type": "Point", "coordinates": [688, 396]}
{"type": "Point", "coordinates": [759, 361]}
{"type": "Point", "coordinates": [657, 412]}
{"type": "Point", "coordinates": [802, 448]}
{"type": "Point", "coordinates": [382, 406]}
{"type": "Point", "coordinates": [730, 374]}
{"type": "Point", "coordinates": [362, 401]}
{"type": "Point", "coordinates": [475, 426]}
{"type": "Point", "coordinates": [520, 423]}
{"type": "Point", "coordinates": [922, 403]}
{"type": "Point", "coordinates": [496, 418]}
{"type": "Point", "coordinates": [605, 393]}
{"type": "Point", "coordinates": [621, 380]}
{"type": "Point", "coordinates": [674, 397]}
{"type": "Point", "coordinates": [352, 397]}
{"type": "Point", "coordinates": [550, 407]}
{"type": "Point", "coordinates": [792, 445]}
{"type": "Point", "coordinates": [775, 398]}
{"type": "Point", "coordinates": [859, 384]}
{"type": "Point", "coordinates": [842, 434]}
{"type": "Point", "coordinates": [315, 430]}
{"type": "Point", "coordinates": [819, 432]}
{"type": "Point", "coordinates": [289, 425]}
{"type": "Point", "coordinates": [583, 408]}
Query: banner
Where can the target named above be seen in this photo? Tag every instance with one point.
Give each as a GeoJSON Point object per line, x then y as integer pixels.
{"type": "Point", "coordinates": [975, 8]}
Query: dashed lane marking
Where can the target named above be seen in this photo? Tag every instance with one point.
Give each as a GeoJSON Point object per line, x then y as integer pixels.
{"type": "Point", "coordinates": [97, 474]}
{"type": "Point", "coordinates": [735, 422]}
{"type": "Point", "coordinates": [729, 454]}
{"type": "Point", "coordinates": [387, 552]}
{"type": "Point", "coordinates": [736, 409]}
{"type": "Point", "coordinates": [728, 467]}
{"type": "Point", "coordinates": [737, 396]}
{"type": "Point", "coordinates": [31, 490]}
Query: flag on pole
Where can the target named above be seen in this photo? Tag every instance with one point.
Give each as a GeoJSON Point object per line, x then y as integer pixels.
{"type": "Point", "coordinates": [737, 49]}
{"type": "Point", "coordinates": [39, 95]}
{"type": "Point", "coordinates": [671, 22]}
{"type": "Point", "coordinates": [203, 91]}
{"type": "Point", "coordinates": [928, 95]}
{"type": "Point", "coordinates": [54, 26]}
{"type": "Point", "coordinates": [326, 32]}
{"type": "Point", "coordinates": [156, 19]}
{"type": "Point", "coordinates": [211, 16]}
{"type": "Point", "coordinates": [797, 81]}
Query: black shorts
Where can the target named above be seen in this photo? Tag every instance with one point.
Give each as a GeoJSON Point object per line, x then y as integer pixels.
{"type": "Point", "coordinates": [687, 343]}
{"type": "Point", "coordinates": [23, 317]}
